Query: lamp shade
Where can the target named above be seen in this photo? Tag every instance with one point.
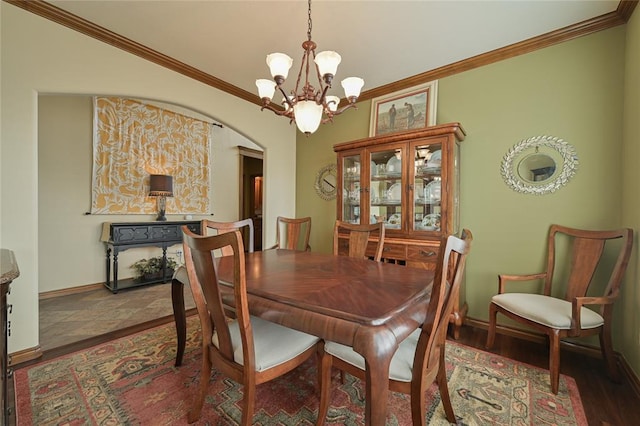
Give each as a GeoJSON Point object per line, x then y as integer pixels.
{"type": "Point", "coordinates": [352, 86]}
{"type": "Point", "coordinates": [279, 64]}
{"type": "Point", "coordinates": [327, 62]}
{"type": "Point", "coordinates": [161, 185]}
{"type": "Point", "coordinates": [308, 116]}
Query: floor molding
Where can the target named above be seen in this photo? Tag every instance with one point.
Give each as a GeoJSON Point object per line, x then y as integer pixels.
{"type": "Point", "coordinates": [25, 355]}
{"type": "Point", "coordinates": [68, 291]}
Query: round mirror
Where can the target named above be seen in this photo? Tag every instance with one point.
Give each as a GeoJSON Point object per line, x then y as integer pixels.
{"type": "Point", "coordinates": [539, 165]}
{"type": "Point", "coordinates": [536, 167]}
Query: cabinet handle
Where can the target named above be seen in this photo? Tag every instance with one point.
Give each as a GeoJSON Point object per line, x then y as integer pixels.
{"type": "Point", "coordinates": [427, 253]}
{"type": "Point", "coordinates": [10, 309]}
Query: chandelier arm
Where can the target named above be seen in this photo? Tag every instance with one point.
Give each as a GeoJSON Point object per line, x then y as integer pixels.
{"type": "Point", "coordinates": [344, 108]}
{"type": "Point", "coordinates": [276, 111]}
{"type": "Point", "coordinates": [287, 99]}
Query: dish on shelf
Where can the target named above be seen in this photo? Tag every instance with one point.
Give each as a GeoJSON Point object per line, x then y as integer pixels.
{"type": "Point", "coordinates": [394, 193]}
{"type": "Point", "coordinates": [418, 191]}
{"type": "Point", "coordinates": [394, 221]}
{"type": "Point", "coordinates": [431, 222]}
{"type": "Point", "coordinates": [436, 157]}
{"type": "Point", "coordinates": [394, 165]}
{"type": "Point", "coordinates": [433, 191]}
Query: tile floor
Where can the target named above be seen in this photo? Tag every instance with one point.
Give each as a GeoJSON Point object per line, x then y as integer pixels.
{"type": "Point", "coordinates": [75, 317]}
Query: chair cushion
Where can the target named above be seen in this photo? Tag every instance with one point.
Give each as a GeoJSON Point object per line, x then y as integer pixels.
{"type": "Point", "coordinates": [181, 275]}
{"type": "Point", "coordinates": [548, 311]}
{"type": "Point", "coordinates": [401, 368]}
{"type": "Point", "coordinates": [274, 344]}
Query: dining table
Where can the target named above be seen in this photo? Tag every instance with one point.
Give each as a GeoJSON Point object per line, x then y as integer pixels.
{"type": "Point", "coordinates": [370, 306]}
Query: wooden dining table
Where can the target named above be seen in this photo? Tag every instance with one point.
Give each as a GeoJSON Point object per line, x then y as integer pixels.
{"type": "Point", "coordinates": [371, 306]}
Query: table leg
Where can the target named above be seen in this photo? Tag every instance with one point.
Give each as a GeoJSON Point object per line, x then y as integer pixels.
{"type": "Point", "coordinates": [177, 299]}
{"type": "Point", "coordinates": [377, 351]}
{"type": "Point", "coordinates": [108, 280]}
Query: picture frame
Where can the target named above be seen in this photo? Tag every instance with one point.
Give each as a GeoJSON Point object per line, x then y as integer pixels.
{"type": "Point", "coordinates": [421, 99]}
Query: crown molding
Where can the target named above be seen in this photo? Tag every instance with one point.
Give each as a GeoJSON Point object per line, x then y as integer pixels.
{"type": "Point", "coordinates": [618, 17]}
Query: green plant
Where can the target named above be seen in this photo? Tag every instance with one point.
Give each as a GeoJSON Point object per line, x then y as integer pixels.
{"type": "Point", "coordinates": [153, 266]}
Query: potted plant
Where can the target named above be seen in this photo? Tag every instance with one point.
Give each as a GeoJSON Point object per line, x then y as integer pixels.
{"type": "Point", "coordinates": [149, 269]}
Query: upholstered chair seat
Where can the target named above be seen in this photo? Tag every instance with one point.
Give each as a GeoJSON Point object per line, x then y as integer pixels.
{"type": "Point", "coordinates": [545, 310]}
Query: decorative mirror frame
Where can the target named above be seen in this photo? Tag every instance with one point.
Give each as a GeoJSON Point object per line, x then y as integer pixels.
{"type": "Point", "coordinates": [328, 171]}
{"type": "Point", "coordinates": [567, 154]}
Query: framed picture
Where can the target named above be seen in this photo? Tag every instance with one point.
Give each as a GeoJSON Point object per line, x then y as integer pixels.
{"type": "Point", "coordinates": [413, 108]}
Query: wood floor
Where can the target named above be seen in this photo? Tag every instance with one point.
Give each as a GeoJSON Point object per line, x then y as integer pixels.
{"type": "Point", "coordinates": [605, 403]}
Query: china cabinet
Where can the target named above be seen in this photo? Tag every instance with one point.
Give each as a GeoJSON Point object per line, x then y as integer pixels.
{"type": "Point", "coordinates": [409, 181]}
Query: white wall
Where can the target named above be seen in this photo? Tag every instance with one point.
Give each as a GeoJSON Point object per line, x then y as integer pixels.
{"type": "Point", "coordinates": [39, 56]}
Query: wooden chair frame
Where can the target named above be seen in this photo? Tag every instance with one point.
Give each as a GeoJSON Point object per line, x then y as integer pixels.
{"type": "Point", "coordinates": [208, 294]}
{"type": "Point", "coordinates": [294, 231]}
{"type": "Point", "coordinates": [429, 358]}
{"type": "Point", "coordinates": [359, 235]}
{"type": "Point", "coordinates": [587, 247]}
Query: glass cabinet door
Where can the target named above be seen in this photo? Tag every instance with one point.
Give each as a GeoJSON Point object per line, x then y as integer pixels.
{"type": "Point", "coordinates": [351, 171]}
{"type": "Point", "coordinates": [386, 189]}
{"type": "Point", "coordinates": [427, 186]}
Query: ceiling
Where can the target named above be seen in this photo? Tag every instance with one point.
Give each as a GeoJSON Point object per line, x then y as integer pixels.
{"type": "Point", "coordinates": [381, 41]}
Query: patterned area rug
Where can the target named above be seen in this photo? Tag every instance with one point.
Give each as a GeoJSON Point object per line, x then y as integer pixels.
{"type": "Point", "coordinates": [132, 381]}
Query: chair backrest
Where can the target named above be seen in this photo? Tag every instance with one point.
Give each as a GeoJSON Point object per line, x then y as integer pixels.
{"type": "Point", "coordinates": [359, 235]}
{"type": "Point", "coordinates": [208, 292]}
{"type": "Point", "coordinates": [293, 233]}
{"type": "Point", "coordinates": [448, 277]}
{"type": "Point", "coordinates": [585, 252]}
{"type": "Point", "coordinates": [222, 227]}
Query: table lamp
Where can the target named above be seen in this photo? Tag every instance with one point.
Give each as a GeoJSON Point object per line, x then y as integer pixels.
{"type": "Point", "coordinates": [161, 186]}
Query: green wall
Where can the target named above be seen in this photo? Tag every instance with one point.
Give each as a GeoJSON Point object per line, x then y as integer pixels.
{"type": "Point", "coordinates": [630, 299]}
{"type": "Point", "coordinates": [574, 91]}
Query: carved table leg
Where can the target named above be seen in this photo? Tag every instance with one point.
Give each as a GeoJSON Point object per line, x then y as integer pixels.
{"type": "Point", "coordinates": [177, 299]}
{"type": "Point", "coordinates": [108, 281]}
{"type": "Point", "coordinates": [115, 271]}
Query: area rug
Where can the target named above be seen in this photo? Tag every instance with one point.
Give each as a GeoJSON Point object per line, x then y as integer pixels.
{"type": "Point", "coordinates": [132, 381]}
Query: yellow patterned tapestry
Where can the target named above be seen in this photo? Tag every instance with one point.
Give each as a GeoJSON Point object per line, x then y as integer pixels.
{"type": "Point", "coordinates": [132, 140]}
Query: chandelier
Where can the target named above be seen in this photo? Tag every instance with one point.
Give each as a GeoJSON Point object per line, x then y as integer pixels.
{"type": "Point", "coordinates": [307, 105]}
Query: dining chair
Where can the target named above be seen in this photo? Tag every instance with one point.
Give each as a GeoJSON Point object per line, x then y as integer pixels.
{"type": "Point", "coordinates": [206, 226]}
{"type": "Point", "coordinates": [293, 233]}
{"type": "Point", "coordinates": [245, 348]}
{"type": "Point", "coordinates": [560, 316]}
{"type": "Point", "coordinates": [419, 359]}
{"type": "Point", "coordinates": [357, 239]}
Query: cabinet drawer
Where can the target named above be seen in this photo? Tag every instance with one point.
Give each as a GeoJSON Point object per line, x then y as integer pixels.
{"type": "Point", "coordinates": [425, 253]}
{"type": "Point", "coordinates": [390, 251]}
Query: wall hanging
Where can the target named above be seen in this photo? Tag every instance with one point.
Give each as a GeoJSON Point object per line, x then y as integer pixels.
{"type": "Point", "coordinates": [132, 140]}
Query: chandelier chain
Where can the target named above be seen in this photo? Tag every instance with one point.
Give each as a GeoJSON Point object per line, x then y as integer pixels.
{"type": "Point", "coordinates": [309, 22]}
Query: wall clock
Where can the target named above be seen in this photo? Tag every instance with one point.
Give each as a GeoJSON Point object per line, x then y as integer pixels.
{"type": "Point", "coordinates": [327, 182]}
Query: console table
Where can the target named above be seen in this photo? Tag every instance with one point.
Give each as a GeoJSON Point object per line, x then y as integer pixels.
{"type": "Point", "coordinates": [122, 236]}
{"type": "Point", "coordinates": [9, 270]}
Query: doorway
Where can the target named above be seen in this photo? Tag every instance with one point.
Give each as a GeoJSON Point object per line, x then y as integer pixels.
{"type": "Point", "coordinates": [251, 190]}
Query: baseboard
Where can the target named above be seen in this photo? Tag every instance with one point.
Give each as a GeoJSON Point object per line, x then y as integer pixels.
{"type": "Point", "coordinates": [591, 351]}
{"type": "Point", "coordinates": [68, 291]}
{"type": "Point", "coordinates": [25, 355]}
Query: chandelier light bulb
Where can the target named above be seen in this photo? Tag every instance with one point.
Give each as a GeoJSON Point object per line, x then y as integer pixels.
{"type": "Point", "coordinates": [266, 88]}
{"type": "Point", "coordinates": [327, 63]}
{"type": "Point", "coordinates": [308, 116]}
{"type": "Point", "coordinates": [279, 65]}
{"type": "Point", "coordinates": [352, 87]}
{"type": "Point", "coordinates": [332, 103]}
